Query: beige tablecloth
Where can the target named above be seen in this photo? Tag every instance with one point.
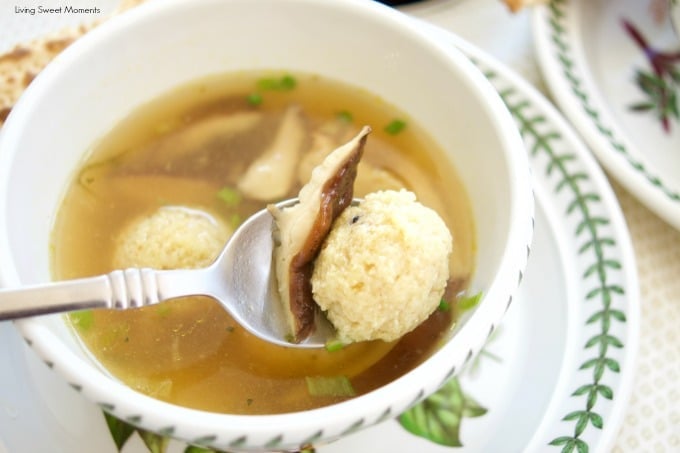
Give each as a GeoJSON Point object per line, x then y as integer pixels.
{"type": "Point", "coordinates": [652, 421]}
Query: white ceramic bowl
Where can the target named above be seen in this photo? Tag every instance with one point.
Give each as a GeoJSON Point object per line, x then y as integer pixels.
{"type": "Point", "coordinates": [131, 59]}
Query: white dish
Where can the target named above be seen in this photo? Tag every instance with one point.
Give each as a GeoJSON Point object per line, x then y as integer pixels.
{"type": "Point", "coordinates": [590, 62]}
{"type": "Point", "coordinates": [546, 368]}
{"type": "Point", "coordinates": [161, 45]}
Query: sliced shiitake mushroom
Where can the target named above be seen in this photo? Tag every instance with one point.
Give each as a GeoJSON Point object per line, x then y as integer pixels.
{"type": "Point", "coordinates": [302, 228]}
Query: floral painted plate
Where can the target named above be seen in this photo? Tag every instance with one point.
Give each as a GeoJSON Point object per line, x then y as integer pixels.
{"type": "Point", "coordinates": [613, 66]}
{"type": "Point", "coordinates": [555, 377]}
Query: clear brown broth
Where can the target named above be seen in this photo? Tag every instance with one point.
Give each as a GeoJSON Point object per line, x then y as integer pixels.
{"type": "Point", "coordinates": [190, 352]}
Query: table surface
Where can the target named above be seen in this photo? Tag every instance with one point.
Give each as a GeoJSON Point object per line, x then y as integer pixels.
{"type": "Point", "coordinates": [652, 421]}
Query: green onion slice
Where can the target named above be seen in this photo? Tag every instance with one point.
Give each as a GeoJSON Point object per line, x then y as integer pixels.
{"type": "Point", "coordinates": [338, 386]}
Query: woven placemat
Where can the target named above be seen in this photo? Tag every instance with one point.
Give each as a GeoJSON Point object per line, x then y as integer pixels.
{"type": "Point", "coordinates": [652, 420]}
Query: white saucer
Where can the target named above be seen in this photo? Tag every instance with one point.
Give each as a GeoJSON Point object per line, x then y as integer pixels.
{"type": "Point", "coordinates": [558, 373]}
{"type": "Point", "coordinates": [590, 60]}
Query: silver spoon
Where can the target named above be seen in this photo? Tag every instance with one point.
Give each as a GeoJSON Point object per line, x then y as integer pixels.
{"type": "Point", "coordinates": [241, 279]}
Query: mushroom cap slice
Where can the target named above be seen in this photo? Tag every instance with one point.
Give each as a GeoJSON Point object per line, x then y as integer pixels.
{"type": "Point", "coordinates": [302, 228]}
{"type": "Point", "coordinates": [272, 174]}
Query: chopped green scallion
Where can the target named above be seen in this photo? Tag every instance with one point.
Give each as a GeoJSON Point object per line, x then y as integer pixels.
{"type": "Point", "coordinates": [267, 84]}
{"type": "Point", "coordinates": [288, 82]}
{"type": "Point", "coordinates": [345, 116]}
{"type": "Point", "coordinates": [395, 127]}
{"type": "Point", "coordinates": [334, 345]}
{"type": "Point", "coordinates": [82, 320]}
{"type": "Point", "coordinates": [444, 305]}
{"type": "Point", "coordinates": [338, 386]}
{"type": "Point", "coordinates": [230, 196]}
{"type": "Point", "coordinates": [254, 99]}
{"type": "Point", "coordinates": [466, 303]}
{"type": "Point", "coordinates": [284, 83]}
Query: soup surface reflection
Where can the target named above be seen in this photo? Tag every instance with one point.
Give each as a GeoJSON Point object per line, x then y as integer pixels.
{"type": "Point", "coordinates": [192, 149]}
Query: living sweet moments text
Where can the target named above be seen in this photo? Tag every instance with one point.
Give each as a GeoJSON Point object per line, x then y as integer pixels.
{"type": "Point", "coordinates": [63, 9]}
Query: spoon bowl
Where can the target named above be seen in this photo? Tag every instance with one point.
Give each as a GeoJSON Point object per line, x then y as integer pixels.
{"type": "Point", "coordinates": [241, 279]}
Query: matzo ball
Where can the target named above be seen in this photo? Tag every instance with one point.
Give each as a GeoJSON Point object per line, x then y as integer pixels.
{"type": "Point", "coordinates": [383, 268]}
{"type": "Point", "coordinates": [172, 237]}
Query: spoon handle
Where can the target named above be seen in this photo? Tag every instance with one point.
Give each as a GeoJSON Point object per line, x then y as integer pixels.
{"type": "Point", "coordinates": [121, 289]}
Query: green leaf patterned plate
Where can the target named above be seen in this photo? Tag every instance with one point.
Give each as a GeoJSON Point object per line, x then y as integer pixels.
{"type": "Point", "coordinates": [558, 375]}
{"type": "Point", "coordinates": [613, 67]}
{"type": "Point", "coordinates": [555, 377]}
